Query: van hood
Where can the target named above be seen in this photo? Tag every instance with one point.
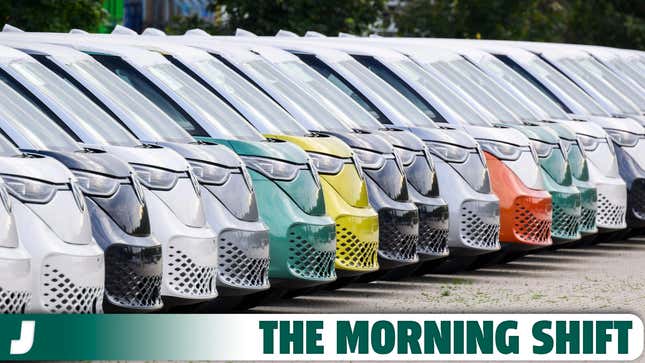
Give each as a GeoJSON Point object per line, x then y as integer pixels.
{"type": "Point", "coordinates": [502, 134]}
{"type": "Point", "coordinates": [90, 160]}
{"type": "Point", "coordinates": [562, 129]}
{"type": "Point", "coordinates": [582, 127]}
{"type": "Point", "coordinates": [402, 139]}
{"type": "Point", "coordinates": [37, 167]}
{"type": "Point", "coordinates": [443, 135]}
{"type": "Point", "coordinates": [206, 151]}
{"type": "Point", "coordinates": [364, 140]}
{"type": "Point", "coordinates": [273, 148]}
{"type": "Point", "coordinates": [538, 132]}
{"type": "Point", "coordinates": [616, 123]}
{"type": "Point", "coordinates": [149, 154]}
{"type": "Point", "coordinates": [319, 143]}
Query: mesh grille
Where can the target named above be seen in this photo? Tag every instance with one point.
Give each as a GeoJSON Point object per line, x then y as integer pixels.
{"type": "Point", "coordinates": [185, 276]}
{"type": "Point", "coordinates": [565, 225]}
{"type": "Point", "coordinates": [308, 260]}
{"type": "Point", "coordinates": [133, 276]}
{"type": "Point", "coordinates": [62, 295]}
{"type": "Point", "coordinates": [609, 213]}
{"type": "Point", "coordinates": [433, 231]}
{"type": "Point", "coordinates": [237, 268]}
{"type": "Point", "coordinates": [479, 224]}
{"type": "Point", "coordinates": [532, 227]}
{"type": "Point", "coordinates": [13, 302]}
{"type": "Point", "coordinates": [637, 198]}
{"type": "Point", "coordinates": [353, 253]}
{"type": "Point", "coordinates": [588, 220]}
{"type": "Point", "coordinates": [398, 235]}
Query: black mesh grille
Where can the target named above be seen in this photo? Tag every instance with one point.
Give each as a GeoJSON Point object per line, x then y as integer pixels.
{"type": "Point", "coordinates": [636, 203]}
{"type": "Point", "coordinates": [133, 276]}
{"type": "Point", "coordinates": [398, 235]}
{"type": "Point", "coordinates": [433, 230]}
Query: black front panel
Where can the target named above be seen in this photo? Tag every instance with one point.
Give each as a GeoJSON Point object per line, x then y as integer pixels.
{"type": "Point", "coordinates": [433, 230]}
{"type": "Point", "coordinates": [126, 210]}
{"type": "Point", "coordinates": [390, 179]}
{"type": "Point", "coordinates": [398, 236]}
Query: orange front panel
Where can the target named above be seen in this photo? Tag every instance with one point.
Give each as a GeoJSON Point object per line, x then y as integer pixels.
{"type": "Point", "coordinates": [525, 214]}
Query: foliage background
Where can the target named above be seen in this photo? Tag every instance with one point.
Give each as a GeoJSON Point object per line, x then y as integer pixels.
{"type": "Point", "coordinates": [619, 23]}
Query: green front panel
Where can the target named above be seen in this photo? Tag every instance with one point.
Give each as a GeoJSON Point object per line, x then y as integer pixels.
{"type": "Point", "coordinates": [305, 193]}
{"type": "Point", "coordinates": [293, 233]}
{"type": "Point", "coordinates": [567, 211]}
{"type": "Point", "coordinates": [557, 168]}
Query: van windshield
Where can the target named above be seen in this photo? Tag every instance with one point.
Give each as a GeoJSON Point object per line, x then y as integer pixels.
{"type": "Point", "coordinates": [137, 107]}
{"type": "Point", "coordinates": [496, 67]}
{"type": "Point", "coordinates": [28, 120]}
{"type": "Point", "coordinates": [598, 76]}
{"type": "Point", "coordinates": [388, 94]}
{"type": "Point", "coordinates": [544, 71]}
{"type": "Point", "coordinates": [315, 116]}
{"type": "Point", "coordinates": [266, 115]}
{"type": "Point", "coordinates": [629, 69]}
{"type": "Point", "coordinates": [440, 92]}
{"type": "Point", "coordinates": [352, 114]}
{"type": "Point", "coordinates": [496, 101]}
{"type": "Point", "coordinates": [74, 104]}
{"type": "Point", "coordinates": [208, 106]}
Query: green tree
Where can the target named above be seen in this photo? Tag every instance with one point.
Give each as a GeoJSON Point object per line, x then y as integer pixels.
{"type": "Point", "coordinates": [53, 15]}
{"type": "Point", "coordinates": [325, 16]}
{"type": "Point", "coordinates": [180, 24]}
{"type": "Point", "coordinates": [617, 23]}
{"type": "Point", "coordinates": [502, 19]}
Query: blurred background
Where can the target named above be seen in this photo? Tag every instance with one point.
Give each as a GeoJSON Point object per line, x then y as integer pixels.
{"type": "Point", "coordinates": [618, 23]}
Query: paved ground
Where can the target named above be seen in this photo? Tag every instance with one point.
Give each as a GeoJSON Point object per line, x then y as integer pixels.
{"type": "Point", "coordinates": [608, 277]}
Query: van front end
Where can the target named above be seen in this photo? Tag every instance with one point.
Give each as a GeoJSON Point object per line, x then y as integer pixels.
{"type": "Point", "coordinates": [230, 206]}
{"type": "Point", "coordinates": [346, 201]}
{"type": "Point", "coordinates": [290, 201]}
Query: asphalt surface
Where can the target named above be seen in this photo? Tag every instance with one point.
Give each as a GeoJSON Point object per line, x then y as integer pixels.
{"type": "Point", "coordinates": [607, 277]}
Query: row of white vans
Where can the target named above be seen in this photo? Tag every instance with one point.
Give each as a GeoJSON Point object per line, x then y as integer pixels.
{"type": "Point", "coordinates": [149, 170]}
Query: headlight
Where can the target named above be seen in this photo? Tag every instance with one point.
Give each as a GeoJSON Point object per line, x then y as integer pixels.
{"type": "Point", "coordinates": [155, 178]}
{"type": "Point", "coordinates": [588, 143]}
{"type": "Point", "coordinates": [327, 164]}
{"type": "Point", "coordinates": [406, 156]}
{"type": "Point", "coordinates": [501, 150]}
{"type": "Point", "coordinates": [369, 159]}
{"type": "Point", "coordinates": [448, 153]}
{"type": "Point", "coordinates": [97, 185]}
{"type": "Point", "coordinates": [210, 173]}
{"type": "Point", "coordinates": [542, 149]}
{"type": "Point", "coordinates": [273, 169]}
{"type": "Point", "coordinates": [623, 138]}
{"type": "Point", "coordinates": [29, 190]}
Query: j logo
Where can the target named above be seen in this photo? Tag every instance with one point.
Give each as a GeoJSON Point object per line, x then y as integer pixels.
{"type": "Point", "coordinates": [26, 341]}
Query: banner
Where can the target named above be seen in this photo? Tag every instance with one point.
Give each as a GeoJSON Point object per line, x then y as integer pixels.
{"type": "Point", "coordinates": [446, 337]}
